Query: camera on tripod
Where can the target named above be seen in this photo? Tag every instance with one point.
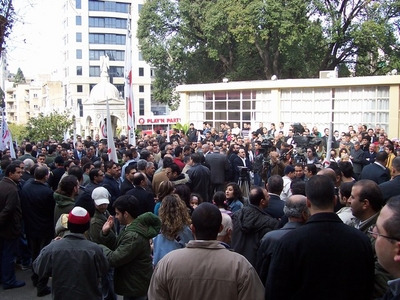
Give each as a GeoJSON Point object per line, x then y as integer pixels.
{"type": "Point", "coordinates": [243, 171]}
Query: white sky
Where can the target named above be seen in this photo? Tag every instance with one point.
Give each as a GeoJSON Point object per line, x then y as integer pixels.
{"type": "Point", "coordinates": [35, 42]}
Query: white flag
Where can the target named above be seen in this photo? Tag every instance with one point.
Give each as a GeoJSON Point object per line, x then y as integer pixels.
{"type": "Point", "coordinates": [130, 109]}
{"type": "Point", "coordinates": [66, 135]}
{"type": "Point", "coordinates": [168, 134]}
{"type": "Point", "coordinates": [112, 153]}
{"type": "Point", "coordinates": [6, 138]}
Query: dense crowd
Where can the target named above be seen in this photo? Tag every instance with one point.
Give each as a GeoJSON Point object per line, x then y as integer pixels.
{"type": "Point", "coordinates": [170, 218]}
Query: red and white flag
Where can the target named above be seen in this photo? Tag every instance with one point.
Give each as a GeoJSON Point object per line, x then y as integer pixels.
{"type": "Point", "coordinates": [112, 153]}
{"type": "Point", "coordinates": [130, 109]}
{"type": "Point", "coordinates": [6, 138]}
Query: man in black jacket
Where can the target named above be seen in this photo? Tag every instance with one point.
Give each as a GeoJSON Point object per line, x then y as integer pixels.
{"type": "Point", "coordinates": [37, 205]}
{"type": "Point", "coordinates": [199, 177]}
{"type": "Point", "coordinates": [250, 223]}
{"type": "Point", "coordinates": [320, 258]}
{"type": "Point", "coordinates": [145, 198]}
{"type": "Point", "coordinates": [10, 225]}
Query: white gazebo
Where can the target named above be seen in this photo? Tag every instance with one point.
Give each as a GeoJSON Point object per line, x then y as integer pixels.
{"type": "Point", "coordinates": [95, 108]}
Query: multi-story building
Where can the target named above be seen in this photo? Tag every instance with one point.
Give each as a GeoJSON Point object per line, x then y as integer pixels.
{"type": "Point", "coordinates": [97, 28]}
{"type": "Point", "coordinates": [28, 100]}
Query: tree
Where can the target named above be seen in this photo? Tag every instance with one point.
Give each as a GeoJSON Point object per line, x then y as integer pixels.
{"type": "Point", "coordinates": [19, 78]}
{"type": "Point", "coordinates": [203, 41]}
{"type": "Point", "coordinates": [18, 132]}
{"type": "Point", "coordinates": [360, 34]}
{"type": "Point", "coordinates": [7, 15]}
{"type": "Point", "coordinates": [182, 127]}
{"type": "Point", "coordinates": [53, 125]}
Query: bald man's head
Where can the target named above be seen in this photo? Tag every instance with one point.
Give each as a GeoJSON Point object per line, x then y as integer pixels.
{"type": "Point", "coordinates": [329, 173]}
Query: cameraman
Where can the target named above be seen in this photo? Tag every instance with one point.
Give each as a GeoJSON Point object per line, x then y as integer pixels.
{"type": "Point", "coordinates": [277, 167]}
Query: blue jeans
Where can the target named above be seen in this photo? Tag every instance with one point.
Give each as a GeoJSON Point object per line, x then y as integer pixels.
{"type": "Point", "coordinates": [257, 179]}
{"type": "Point", "coordinates": [8, 251]}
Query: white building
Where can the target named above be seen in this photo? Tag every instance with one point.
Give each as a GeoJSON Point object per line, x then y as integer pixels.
{"type": "Point", "coordinates": [372, 100]}
{"type": "Point", "coordinates": [93, 29]}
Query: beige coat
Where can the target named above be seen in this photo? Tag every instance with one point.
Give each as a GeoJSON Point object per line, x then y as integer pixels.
{"type": "Point", "coordinates": [204, 270]}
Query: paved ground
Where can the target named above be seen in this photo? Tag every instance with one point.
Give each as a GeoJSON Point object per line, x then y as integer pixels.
{"type": "Point", "coordinates": [27, 292]}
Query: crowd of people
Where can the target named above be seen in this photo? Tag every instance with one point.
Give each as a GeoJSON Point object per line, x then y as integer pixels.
{"type": "Point", "coordinates": [234, 213]}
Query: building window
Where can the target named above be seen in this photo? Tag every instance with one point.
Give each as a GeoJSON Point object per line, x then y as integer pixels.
{"type": "Point", "coordinates": [108, 6]}
{"type": "Point", "coordinates": [78, 20]}
{"type": "Point", "coordinates": [140, 6]}
{"type": "Point", "coordinates": [79, 88]}
{"type": "Point", "coordinates": [141, 72]}
{"type": "Point", "coordinates": [65, 23]}
{"type": "Point", "coordinates": [78, 37]}
{"type": "Point", "coordinates": [34, 95]}
{"type": "Point", "coordinates": [141, 56]}
{"type": "Point", "coordinates": [80, 106]}
{"type": "Point", "coordinates": [141, 106]}
{"type": "Point", "coordinates": [78, 54]}
{"type": "Point", "coordinates": [79, 70]}
{"type": "Point", "coordinates": [94, 71]}
{"type": "Point", "coordinates": [78, 4]}
{"type": "Point", "coordinates": [115, 55]}
{"type": "Point", "coordinates": [152, 72]}
{"type": "Point", "coordinates": [141, 88]}
{"type": "Point", "coordinates": [108, 39]}
{"type": "Point", "coordinates": [101, 22]}
{"type": "Point", "coordinates": [116, 71]}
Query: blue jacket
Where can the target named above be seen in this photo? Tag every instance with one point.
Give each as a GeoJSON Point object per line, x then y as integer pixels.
{"type": "Point", "coordinates": [162, 245]}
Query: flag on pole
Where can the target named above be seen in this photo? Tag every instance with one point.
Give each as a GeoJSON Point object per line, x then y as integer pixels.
{"type": "Point", "coordinates": [74, 139]}
{"type": "Point", "coordinates": [66, 135]}
{"type": "Point", "coordinates": [168, 134]}
{"type": "Point", "coordinates": [128, 83]}
{"type": "Point", "coordinates": [6, 138]}
{"type": "Point", "coordinates": [103, 128]}
{"type": "Point", "coordinates": [112, 153]}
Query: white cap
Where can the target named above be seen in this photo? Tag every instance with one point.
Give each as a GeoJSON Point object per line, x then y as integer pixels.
{"type": "Point", "coordinates": [100, 195]}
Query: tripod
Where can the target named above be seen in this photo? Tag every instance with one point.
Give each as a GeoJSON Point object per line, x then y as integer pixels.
{"type": "Point", "coordinates": [244, 187]}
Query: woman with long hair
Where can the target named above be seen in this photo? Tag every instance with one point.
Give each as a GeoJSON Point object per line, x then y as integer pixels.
{"type": "Point", "coordinates": [166, 188]}
{"type": "Point", "coordinates": [234, 196]}
{"type": "Point", "coordinates": [175, 231]}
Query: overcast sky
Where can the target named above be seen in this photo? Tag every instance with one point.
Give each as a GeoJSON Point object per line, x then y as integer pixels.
{"type": "Point", "coordinates": [35, 42]}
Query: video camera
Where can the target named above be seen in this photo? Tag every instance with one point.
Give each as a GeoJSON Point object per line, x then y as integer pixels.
{"type": "Point", "coordinates": [302, 143]}
{"type": "Point", "coordinates": [243, 171]}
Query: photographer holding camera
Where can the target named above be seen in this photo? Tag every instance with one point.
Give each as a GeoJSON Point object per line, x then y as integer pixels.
{"type": "Point", "coordinates": [277, 166]}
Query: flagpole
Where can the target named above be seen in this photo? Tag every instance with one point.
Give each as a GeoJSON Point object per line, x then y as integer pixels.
{"type": "Point", "coordinates": [112, 153]}
{"type": "Point", "coordinates": [130, 108]}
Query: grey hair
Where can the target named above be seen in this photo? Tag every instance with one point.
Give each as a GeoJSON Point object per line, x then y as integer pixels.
{"type": "Point", "coordinates": [141, 165]}
{"type": "Point", "coordinates": [28, 163]}
{"type": "Point", "coordinates": [294, 207]}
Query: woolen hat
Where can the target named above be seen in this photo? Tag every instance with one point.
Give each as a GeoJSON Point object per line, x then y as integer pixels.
{"type": "Point", "coordinates": [78, 220]}
{"type": "Point", "coordinates": [100, 195]}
